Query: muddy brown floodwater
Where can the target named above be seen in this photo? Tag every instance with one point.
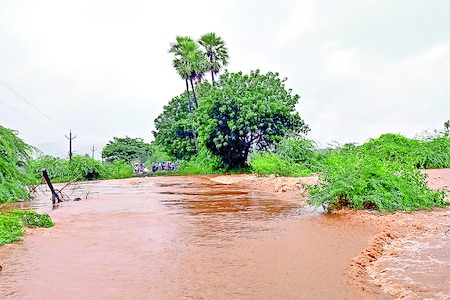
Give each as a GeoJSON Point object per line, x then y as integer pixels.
{"type": "Point", "coordinates": [201, 237]}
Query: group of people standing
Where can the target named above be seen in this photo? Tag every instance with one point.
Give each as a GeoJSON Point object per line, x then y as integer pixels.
{"type": "Point", "coordinates": [140, 169]}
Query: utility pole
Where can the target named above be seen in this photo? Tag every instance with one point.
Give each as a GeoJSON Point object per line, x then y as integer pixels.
{"type": "Point", "coordinates": [70, 138]}
{"type": "Point", "coordinates": [93, 150]}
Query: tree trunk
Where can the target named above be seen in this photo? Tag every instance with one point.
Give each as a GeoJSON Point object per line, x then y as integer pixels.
{"type": "Point", "coordinates": [212, 71]}
{"type": "Point", "coordinates": [193, 91]}
{"type": "Point", "coordinates": [188, 96]}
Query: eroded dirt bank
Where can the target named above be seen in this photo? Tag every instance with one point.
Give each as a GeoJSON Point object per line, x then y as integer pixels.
{"type": "Point", "coordinates": [218, 238]}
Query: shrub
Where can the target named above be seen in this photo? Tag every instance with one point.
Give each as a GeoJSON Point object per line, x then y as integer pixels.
{"type": "Point", "coordinates": [116, 170]}
{"type": "Point", "coordinates": [391, 147]}
{"type": "Point", "coordinates": [204, 162]}
{"type": "Point", "coordinates": [266, 163]}
{"type": "Point", "coordinates": [61, 170]}
{"type": "Point", "coordinates": [299, 151]}
{"type": "Point", "coordinates": [432, 154]}
{"type": "Point", "coordinates": [363, 181]}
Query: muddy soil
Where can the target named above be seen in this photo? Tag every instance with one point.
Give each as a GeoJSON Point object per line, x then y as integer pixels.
{"type": "Point", "coordinates": [222, 237]}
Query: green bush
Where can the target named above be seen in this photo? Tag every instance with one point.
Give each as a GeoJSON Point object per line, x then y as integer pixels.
{"type": "Point", "coordinates": [204, 162]}
{"type": "Point", "coordinates": [116, 170]}
{"type": "Point", "coordinates": [429, 153]}
{"type": "Point", "coordinates": [61, 170]}
{"type": "Point", "coordinates": [158, 154]}
{"type": "Point", "coordinates": [364, 181]}
{"type": "Point", "coordinates": [12, 222]}
{"type": "Point", "coordinates": [433, 154]}
{"type": "Point", "coordinates": [391, 147]}
{"type": "Point", "coordinates": [299, 151]}
{"type": "Point", "coordinates": [266, 163]}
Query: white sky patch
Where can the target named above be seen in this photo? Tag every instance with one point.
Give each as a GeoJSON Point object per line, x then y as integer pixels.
{"type": "Point", "coordinates": [340, 61]}
{"type": "Point", "coordinates": [299, 21]}
{"type": "Point", "coordinates": [431, 56]}
{"type": "Point", "coordinates": [101, 68]}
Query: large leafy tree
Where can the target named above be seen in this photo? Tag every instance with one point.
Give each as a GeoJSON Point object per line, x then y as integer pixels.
{"type": "Point", "coordinates": [128, 149]}
{"type": "Point", "coordinates": [216, 52]}
{"type": "Point", "coordinates": [242, 113]}
{"type": "Point", "coordinates": [174, 131]}
{"type": "Point", "coordinates": [14, 154]}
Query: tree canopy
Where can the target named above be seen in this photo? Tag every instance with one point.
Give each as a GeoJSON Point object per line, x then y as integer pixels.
{"type": "Point", "coordinates": [242, 113]}
{"type": "Point", "coordinates": [128, 149]}
{"type": "Point", "coordinates": [174, 130]}
{"type": "Point", "coordinates": [216, 52]}
{"type": "Point", "coordinates": [239, 114]}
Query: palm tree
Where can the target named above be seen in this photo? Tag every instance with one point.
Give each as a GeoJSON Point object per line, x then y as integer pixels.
{"type": "Point", "coordinates": [189, 62]}
{"type": "Point", "coordinates": [198, 66]}
{"type": "Point", "coordinates": [182, 46]}
{"type": "Point", "coordinates": [216, 52]}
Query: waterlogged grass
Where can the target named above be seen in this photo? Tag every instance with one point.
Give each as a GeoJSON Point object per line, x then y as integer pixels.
{"type": "Point", "coordinates": [13, 222]}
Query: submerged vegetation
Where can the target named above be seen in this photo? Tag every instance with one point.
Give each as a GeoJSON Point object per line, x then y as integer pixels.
{"type": "Point", "coordinates": [12, 223]}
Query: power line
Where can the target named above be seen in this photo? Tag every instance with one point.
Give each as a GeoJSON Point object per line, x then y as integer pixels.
{"type": "Point", "coordinates": [21, 113]}
{"type": "Point", "coordinates": [28, 102]}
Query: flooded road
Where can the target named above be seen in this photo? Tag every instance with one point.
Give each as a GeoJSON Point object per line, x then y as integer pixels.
{"type": "Point", "coordinates": [183, 238]}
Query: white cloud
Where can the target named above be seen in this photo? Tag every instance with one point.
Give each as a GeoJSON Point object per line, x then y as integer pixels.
{"type": "Point", "coordinates": [299, 21]}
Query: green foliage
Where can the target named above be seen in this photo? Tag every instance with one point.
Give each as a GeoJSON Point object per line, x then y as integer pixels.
{"type": "Point", "coordinates": [203, 163]}
{"type": "Point", "coordinates": [216, 52]}
{"type": "Point", "coordinates": [127, 149]}
{"type": "Point", "coordinates": [298, 150]}
{"type": "Point", "coordinates": [391, 147]}
{"type": "Point", "coordinates": [12, 222]}
{"type": "Point", "coordinates": [158, 154]}
{"type": "Point", "coordinates": [266, 163]}
{"type": "Point", "coordinates": [81, 168]}
{"type": "Point", "coordinates": [432, 154]}
{"type": "Point", "coordinates": [245, 112]}
{"type": "Point", "coordinates": [61, 170]}
{"type": "Point", "coordinates": [378, 179]}
{"type": "Point", "coordinates": [116, 170]}
{"type": "Point", "coordinates": [14, 155]}
{"type": "Point", "coordinates": [174, 129]}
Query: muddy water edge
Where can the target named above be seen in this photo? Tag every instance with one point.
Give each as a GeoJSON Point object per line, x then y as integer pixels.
{"type": "Point", "coordinates": [187, 237]}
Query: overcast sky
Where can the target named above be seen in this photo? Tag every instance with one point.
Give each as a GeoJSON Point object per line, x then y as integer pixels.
{"type": "Point", "coordinates": [101, 67]}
